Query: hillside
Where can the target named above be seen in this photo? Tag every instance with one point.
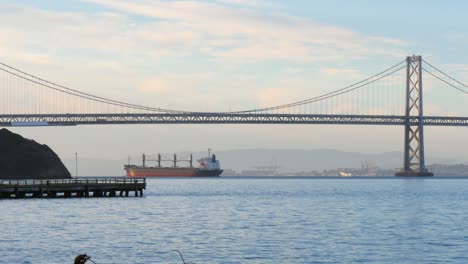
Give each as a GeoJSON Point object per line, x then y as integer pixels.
{"type": "Point", "coordinates": [22, 158]}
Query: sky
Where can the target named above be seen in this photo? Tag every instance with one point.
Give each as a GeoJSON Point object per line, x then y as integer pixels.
{"type": "Point", "coordinates": [223, 55]}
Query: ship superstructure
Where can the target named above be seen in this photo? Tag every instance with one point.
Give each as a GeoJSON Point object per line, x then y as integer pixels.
{"type": "Point", "coordinates": [208, 167]}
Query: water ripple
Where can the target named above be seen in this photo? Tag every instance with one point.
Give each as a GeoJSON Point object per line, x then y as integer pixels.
{"type": "Point", "coordinates": [247, 221]}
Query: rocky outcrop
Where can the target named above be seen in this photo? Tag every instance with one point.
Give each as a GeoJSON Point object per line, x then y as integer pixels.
{"type": "Point", "coordinates": [22, 158]}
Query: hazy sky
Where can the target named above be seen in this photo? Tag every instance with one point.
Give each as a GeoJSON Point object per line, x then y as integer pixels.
{"type": "Point", "coordinates": [224, 55]}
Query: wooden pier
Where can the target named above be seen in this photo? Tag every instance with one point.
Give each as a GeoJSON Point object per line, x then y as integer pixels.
{"type": "Point", "coordinates": [76, 187]}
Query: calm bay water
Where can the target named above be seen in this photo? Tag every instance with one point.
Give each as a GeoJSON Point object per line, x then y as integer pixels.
{"type": "Point", "coordinates": [240, 220]}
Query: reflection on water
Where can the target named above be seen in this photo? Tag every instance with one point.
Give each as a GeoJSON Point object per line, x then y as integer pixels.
{"type": "Point", "coordinates": [247, 221]}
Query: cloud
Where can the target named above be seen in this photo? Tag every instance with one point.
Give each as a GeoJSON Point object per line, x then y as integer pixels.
{"type": "Point", "coordinates": [276, 96]}
{"type": "Point", "coordinates": [342, 73]}
{"type": "Point", "coordinates": [183, 91]}
{"type": "Point", "coordinates": [460, 71]}
{"type": "Point", "coordinates": [249, 3]}
{"type": "Point", "coordinates": [127, 47]}
{"type": "Point", "coordinates": [155, 86]}
{"type": "Point", "coordinates": [238, 34]}
{"type": "Point", "coordinates": [26, 56]}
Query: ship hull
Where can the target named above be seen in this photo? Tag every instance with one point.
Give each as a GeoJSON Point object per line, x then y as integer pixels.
{"type": "Point", "coordinates": [135, 171]}
{"type": "Point", "coordinates": [208, 173]}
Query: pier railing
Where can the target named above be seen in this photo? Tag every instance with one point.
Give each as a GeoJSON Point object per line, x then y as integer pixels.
{"type": "Point", "coordinates": [76, 187]}
{"type": "Point", "coordinates": [78, 180]}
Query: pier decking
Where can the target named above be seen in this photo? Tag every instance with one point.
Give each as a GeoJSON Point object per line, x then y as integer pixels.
{"type": "Point", "coordinates": [76, 187]}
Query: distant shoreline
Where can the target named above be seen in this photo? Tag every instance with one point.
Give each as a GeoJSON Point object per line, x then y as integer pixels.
{"type": "Point", "coordinates": [314, 177]}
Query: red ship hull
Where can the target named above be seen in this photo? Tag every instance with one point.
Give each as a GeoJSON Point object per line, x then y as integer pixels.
{"type": "Point", "coordinates": [137, 171]}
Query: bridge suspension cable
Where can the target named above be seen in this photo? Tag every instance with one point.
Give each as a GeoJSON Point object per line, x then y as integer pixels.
{"type": "Point", "coordinates": [69, 91]}
{"type": "Point", "coordinates": [379, 94]}
{"type": "Point", "coordinates": [443, 93]}
{"type": "Point", "coordinates": [379, 76]}
{"type": "Point", "coordinates": [446, 75]}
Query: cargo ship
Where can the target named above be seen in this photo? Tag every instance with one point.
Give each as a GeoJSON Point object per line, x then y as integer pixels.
{"type": "Point", "coordinates": [208, 167]}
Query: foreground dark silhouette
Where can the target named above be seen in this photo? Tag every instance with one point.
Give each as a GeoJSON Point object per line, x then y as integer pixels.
{"type": "Point", "coordinates": [22, 158]}
{"type": "Point", "coordinates": [82, 259]}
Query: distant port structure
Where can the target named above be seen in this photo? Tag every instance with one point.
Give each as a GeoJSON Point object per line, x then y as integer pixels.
{"type": "Point", "coordinates": [392, 97]}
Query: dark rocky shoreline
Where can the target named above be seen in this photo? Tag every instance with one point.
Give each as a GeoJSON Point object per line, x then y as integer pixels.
{"type": "Point", "coordinates": [22, 158]}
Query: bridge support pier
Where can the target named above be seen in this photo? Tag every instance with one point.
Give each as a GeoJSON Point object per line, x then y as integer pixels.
{"type": "Point", "coordinates": [414, 164]}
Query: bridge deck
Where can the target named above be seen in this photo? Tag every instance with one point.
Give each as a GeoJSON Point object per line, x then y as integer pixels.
{"type": "Point", "coordinates": [222, 118]}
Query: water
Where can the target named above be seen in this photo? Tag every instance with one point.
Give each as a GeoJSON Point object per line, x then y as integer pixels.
{"type": "Point", "coordinates": [247, 221]}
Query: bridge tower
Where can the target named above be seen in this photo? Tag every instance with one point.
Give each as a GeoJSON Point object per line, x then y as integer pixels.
{"type": "Point", "coordinates": [413, 160]}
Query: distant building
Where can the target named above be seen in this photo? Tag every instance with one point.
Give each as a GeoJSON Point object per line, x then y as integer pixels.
{"type": "Point", "coordinates": [261, 171]}
{"type": "Point", "coordinates": [449, 170]}
{"type": "Point", "coordinates": [229, 172]}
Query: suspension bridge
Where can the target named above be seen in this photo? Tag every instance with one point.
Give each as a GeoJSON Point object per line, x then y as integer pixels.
{"type": "Point", "coordinates": [391, 97]}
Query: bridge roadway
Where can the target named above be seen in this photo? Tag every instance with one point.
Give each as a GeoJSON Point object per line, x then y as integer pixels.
{"type": "Point", "coordinates": [220, 118]}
